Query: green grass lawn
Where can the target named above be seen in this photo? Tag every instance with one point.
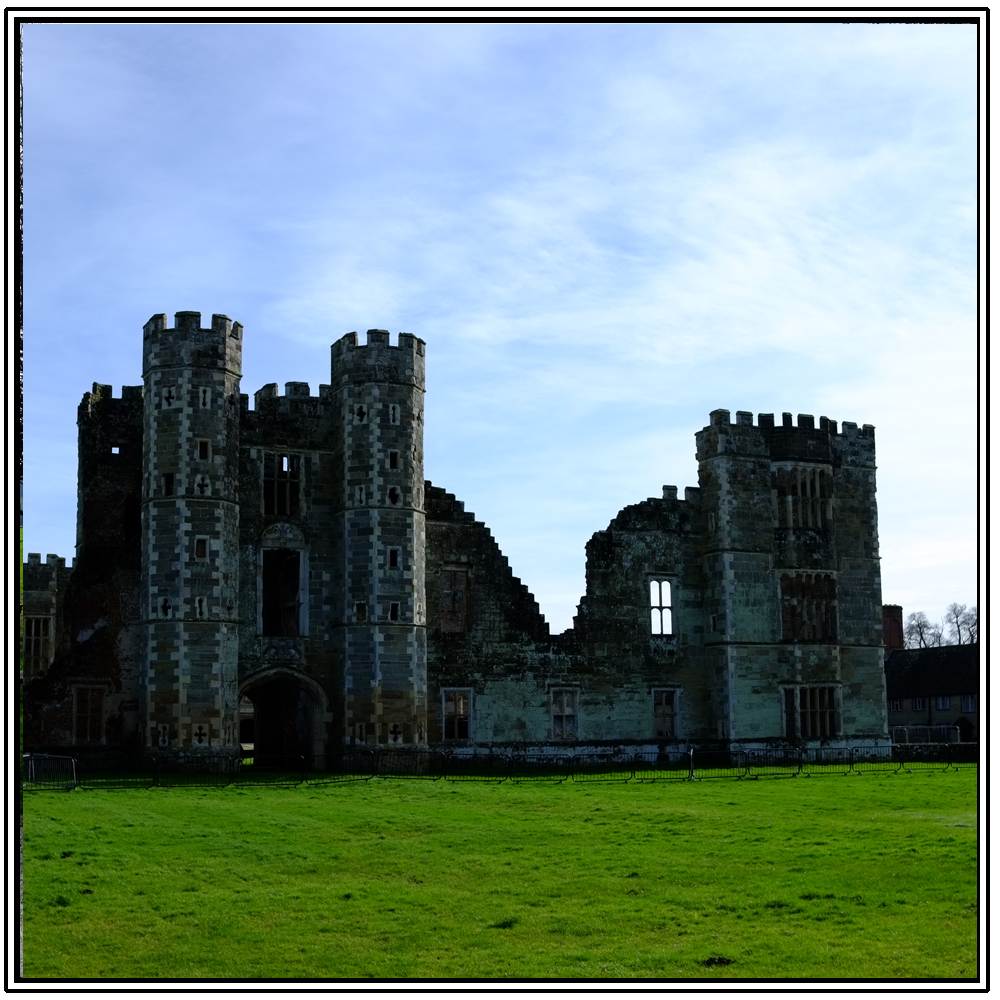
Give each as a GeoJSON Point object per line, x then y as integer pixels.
{"type": "Point", "coordinates": [831, 877]}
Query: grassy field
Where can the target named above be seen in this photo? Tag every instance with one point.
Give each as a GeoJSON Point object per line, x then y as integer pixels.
{"type": "Point", "coordinates": [832, 877]}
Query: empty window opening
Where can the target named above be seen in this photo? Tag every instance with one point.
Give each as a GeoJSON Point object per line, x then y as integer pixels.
{"type": "Point", "coordinates": [165, 608]}
{"type": "Point", "coordinates": [808, 607]}
{"type": "Point", "coordinates": [168, 484]}
{"type": "Point", "coordinates": [665, 713]}
{"type": "Point", "coordinates": [205, 399]}
{"type": "Point", "coordinates": [393, 459]}
{"type": "Point", "coordinates": [359, 495]}
{"type": "Point", "coordinates": [281, 484]}
{"type": "Point", "coordinates": [37, 646]}
{"type": "Point", "coordinates": [203, 450]}
{"type": "Point", "coordinates": [393, 558]}
{"type": "Point", "coordinates": [811, 712]}
{"type": "Point", "coordinates": [361, 612]}
{"type": "Point", "coordinates": [661, 615]}
{"type": "Point", "coordinates": [199, 607]}
{"type": "Point", "coordinates": [457, 715]}
{"type": "Point", "coordinates": [394, 612]}
{"type": "Point", "coordinates": [393, 496]}
{"type": "Point", "coordinates": [280, 592]}
{"type": "Point", "coordinates": [393, 414]}
{"type": "Point", "coordinates": [360, 414]}
{"type": "Point", "coordinates": [202, 486]}
{"type": "Point", "coordinates": [564, 714]}
{"type": "Point", "coordinates": [89, 715]}
{"type": "Point", "coordinates": [169, 396]}
{"type": "Point", "coordinates": [201, 548]}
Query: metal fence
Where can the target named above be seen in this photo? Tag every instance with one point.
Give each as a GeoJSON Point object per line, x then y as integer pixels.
{"type": "Point", "coordinates": [925, 734]}
{"type": "Point", "coordinates": [47, 771]}
{"type": "Point", "coordinates": [40, 771]}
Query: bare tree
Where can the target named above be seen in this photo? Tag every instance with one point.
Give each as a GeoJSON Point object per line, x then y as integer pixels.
{"type": "Point", "coordinates": [962, 624]}
{"type": "Point", "coordinates": [920, 632]}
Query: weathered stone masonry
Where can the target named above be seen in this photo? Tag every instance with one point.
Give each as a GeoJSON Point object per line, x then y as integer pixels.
{"type": "Point", "coordinates": [291, 558]}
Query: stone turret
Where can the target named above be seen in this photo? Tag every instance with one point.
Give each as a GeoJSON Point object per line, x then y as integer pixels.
{"type": "Point", "coordinates": [190, 530]}
{"type": "Point", "coordinates": [381, 618]}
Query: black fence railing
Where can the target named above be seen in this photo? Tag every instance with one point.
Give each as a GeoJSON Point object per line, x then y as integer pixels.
{"type": "Point", "coordinates": [51, 772]}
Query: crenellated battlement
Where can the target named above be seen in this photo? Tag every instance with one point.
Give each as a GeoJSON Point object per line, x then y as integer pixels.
{"type": "Point", "coordinates": [188, 345]}
{"type": "Point", "coordinates": [378, 360]}
{"type": "Point", "coordinates": [803, 422]}
{"type": "Point", "coordinates": [295, 394]}
{"type": "Point", "coordinates": [798, 439]}
{"type": "Point", "coordinates": [101, 408]}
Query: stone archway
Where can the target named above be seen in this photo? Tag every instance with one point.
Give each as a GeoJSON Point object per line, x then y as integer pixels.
{"type": "Point", "coordinates": [288, 714]}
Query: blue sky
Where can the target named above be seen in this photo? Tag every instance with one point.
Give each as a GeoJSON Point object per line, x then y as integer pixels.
{"type": "Point", "coordinates": [603, 232]}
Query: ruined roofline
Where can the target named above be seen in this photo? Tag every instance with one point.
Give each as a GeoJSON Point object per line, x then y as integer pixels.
{"type": "Point", "coordinates": [806, 421]}
{"type": "Point", "coordinates": [443, 507]}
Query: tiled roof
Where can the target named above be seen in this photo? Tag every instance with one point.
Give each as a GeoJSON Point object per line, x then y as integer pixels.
{"type": "Point", "coordinates": [926, 673]}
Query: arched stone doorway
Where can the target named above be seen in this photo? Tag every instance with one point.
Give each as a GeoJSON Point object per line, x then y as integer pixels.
{"type": "Point", "coordinates": [288, 714]}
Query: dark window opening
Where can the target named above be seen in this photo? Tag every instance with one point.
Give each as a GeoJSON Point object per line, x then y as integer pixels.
{"type": "Point", "coordinates": [281, 484]}
{"type": "Point", "coordinates": [808, 607]}
{"type": "Point", "coordinates": [168, 484]}
{"type": "Point", "coordinates": [36, 646]}
{"type": "Point", "coordinates": [204, 398]}
{"type": "Point", "coordinates": [456, 714]}
{"type": "Point", "coordinates": [280, 604]}
{"type": "Point", "coordinates": [393, 414]}
{"type": "Point", "coordinates": [89, 715]}
{"type": "Point", "coordinates": [393, 496]}
{"type": "Point", "coordinates": [393, 459]}
{"type": "Point", "coordinates": [169, 397]}
{"type": "Point", "coordinates": [361, 611]}
{"type": "Point", "coordinates": [394, 612]}
{"type": "Point", "coordinates": [202, 486]}
{"type": "Point", "coordinates": [664, 714]}
{"type": "Point", "coordinates": [393, 558]}
{"type": "Point", "coordinates": [201, 548]}
{"type": "Point", "coordinates": [811, 712]}
{"type": "Point", "coordinates": [203, 450]}
{"type": "Point", "coordinates": [564, 715]}
{"type": "Point", "coordinates": [360, 413]}
{"type": "Point", "coordinates": [453, 600]}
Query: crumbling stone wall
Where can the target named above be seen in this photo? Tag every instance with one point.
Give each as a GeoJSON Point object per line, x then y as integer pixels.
{"type": "Point", "coordinates": [293, 554]}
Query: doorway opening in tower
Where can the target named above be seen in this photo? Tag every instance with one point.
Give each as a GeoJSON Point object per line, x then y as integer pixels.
{"type": "Point", "coordinates": [280, 598]}
{"type": "Point", "coordinates": [286, 720]}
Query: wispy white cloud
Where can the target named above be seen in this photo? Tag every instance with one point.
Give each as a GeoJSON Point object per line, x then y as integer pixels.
{"type": "Point", "coordinates": [602, 231]}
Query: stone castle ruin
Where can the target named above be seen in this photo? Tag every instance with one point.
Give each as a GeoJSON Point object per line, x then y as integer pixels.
{"type": "Point", "coordinates": [284, 575]}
